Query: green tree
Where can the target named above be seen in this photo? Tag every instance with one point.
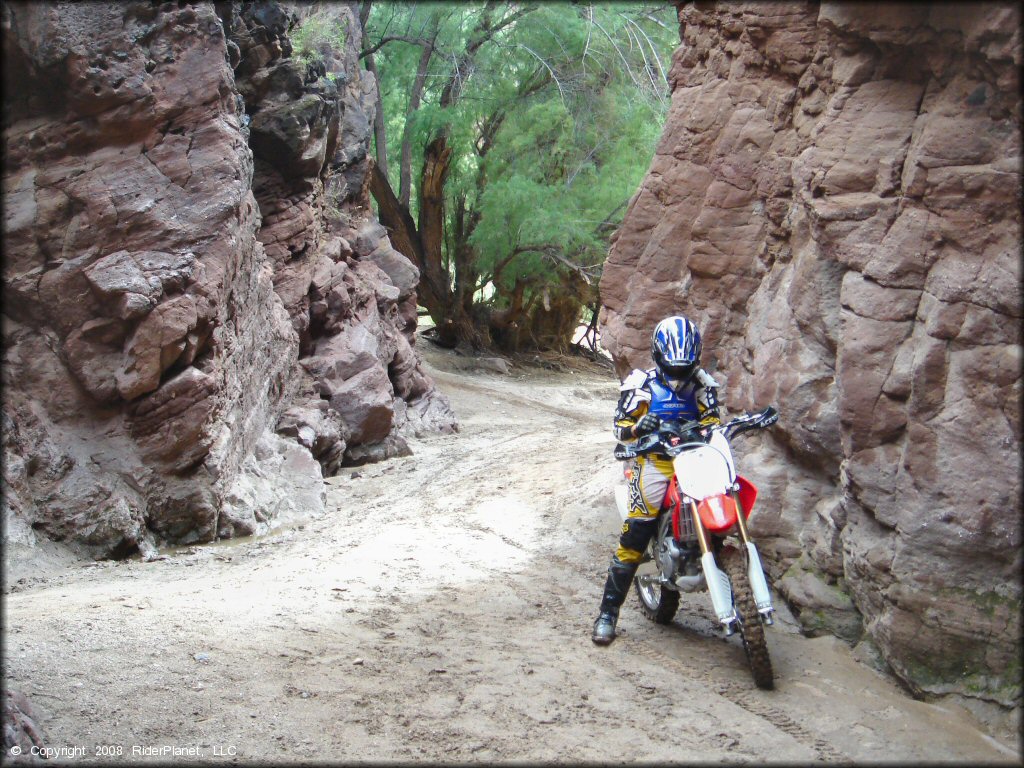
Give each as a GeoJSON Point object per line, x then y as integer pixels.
{"type": "Point", "coordinates": [520, 131]}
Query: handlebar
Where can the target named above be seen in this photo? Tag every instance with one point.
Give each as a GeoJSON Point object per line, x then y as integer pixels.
{"type": "Point", "coordinates": [673, 437]}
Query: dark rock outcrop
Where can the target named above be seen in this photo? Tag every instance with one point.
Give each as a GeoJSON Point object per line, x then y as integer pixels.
{"type": "Point", "coordinates": [192, 276]}
{"type": "Point", "coordinates": [836, 200]}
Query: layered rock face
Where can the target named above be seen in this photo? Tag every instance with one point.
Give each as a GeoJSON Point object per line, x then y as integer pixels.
{"type": "Point", "coordinates": [201, 316]}
{"type": "Point", "coordinates": [836, 201]}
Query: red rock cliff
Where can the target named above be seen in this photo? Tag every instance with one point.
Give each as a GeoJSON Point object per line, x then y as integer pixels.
{"type": "Point", "coordinates": [201, 316]}
{"type": "Point", "coordinates": [836, 200]}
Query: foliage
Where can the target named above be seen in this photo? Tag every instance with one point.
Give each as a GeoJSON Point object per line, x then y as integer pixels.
{"type": "Point", "coordinates": [542, 118]}
{"type": "Point", "coordinates": [316, 36]}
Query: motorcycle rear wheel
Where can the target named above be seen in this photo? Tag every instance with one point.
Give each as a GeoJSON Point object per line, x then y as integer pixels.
{"type": "Point", "coordinates": [657, 603]}
{"type": "Point", "coordinates": [755, 645]}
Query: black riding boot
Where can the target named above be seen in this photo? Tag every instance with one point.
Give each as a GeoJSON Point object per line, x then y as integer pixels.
{"type": "Point", "coordinates": [615, 588]}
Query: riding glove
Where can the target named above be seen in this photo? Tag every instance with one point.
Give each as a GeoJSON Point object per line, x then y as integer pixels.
{"type": "Point", "coordinates": [648, 423]}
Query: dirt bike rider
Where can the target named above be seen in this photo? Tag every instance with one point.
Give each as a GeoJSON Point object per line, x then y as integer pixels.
{"type": "Point", "coordinates": [676, 388]}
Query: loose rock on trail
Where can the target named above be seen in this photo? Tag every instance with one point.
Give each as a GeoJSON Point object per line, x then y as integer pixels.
{"type": "Point", "coordinates": [441, 611]}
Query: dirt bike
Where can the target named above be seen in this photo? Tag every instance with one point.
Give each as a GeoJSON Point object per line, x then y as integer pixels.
{"type": "Point", "coordinates": [705, 503]}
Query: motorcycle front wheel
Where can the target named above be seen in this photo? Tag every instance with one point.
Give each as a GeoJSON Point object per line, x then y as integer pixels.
{"type": "Point", "coordinates": [755, 645]}
{"type": "Point", "coordinates": [657, 603]}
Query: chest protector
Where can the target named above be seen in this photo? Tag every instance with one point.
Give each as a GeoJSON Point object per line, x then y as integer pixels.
{"type": "Point", "coordinates": [666, 404]}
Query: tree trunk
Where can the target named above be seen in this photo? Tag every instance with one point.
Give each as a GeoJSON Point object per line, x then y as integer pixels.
{"type": "Point", "coordinates": [405, 167]}
{"type": "Point", "coordinates": [379, 136]}
{"type": "Point", "coordinates": [453, 322]}
{"type": "Point", "coordinates": [464, 256]}
{"type": "Point", "coordinates": [431, 219]}
{"type": "Point", "coordinates": [404, 237]}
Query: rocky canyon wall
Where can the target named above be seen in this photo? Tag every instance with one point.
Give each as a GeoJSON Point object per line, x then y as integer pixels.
{"type": "Point", "coordinates": [836, 200]}
{"type": "Point", "coordinates": [201, 317]}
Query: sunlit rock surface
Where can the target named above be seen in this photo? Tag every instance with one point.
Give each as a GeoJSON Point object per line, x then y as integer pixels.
{"type": "Point", "coordinates": [836, 201]}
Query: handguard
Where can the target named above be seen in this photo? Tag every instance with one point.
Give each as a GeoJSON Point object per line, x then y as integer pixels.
{"type": "Point", "coordinates": [630, 451]}
{"type": "Point", "coordinates": [759, 420]}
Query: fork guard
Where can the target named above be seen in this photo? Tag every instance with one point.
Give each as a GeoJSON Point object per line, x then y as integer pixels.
{"type": "Point", "coordinates": [720, 590]}
{"type": "Point", "coordinates": [758, 583]}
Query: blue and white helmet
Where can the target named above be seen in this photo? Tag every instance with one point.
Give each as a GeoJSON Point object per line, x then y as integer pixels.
{"type": "Point", "coordinates": [676, 347]}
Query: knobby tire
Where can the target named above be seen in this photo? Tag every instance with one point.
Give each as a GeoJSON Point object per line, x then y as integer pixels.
{"type": "Point", "coordinates": [666, 608]}
{"type": "Point", "coordinates": [668, 599]}
{"type": "Point", "coordinates": [751, 629]}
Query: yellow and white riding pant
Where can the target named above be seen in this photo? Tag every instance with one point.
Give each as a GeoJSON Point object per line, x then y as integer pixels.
{"type": "Point", "coordinates": [649, 477]}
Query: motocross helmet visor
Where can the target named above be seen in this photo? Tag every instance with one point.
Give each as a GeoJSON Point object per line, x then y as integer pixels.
{"type": "Point", "coordinates": [676, 348]}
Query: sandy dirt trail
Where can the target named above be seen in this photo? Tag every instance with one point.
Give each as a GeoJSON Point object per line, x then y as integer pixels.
{"type": "Point", "coordinates": [441, 612]}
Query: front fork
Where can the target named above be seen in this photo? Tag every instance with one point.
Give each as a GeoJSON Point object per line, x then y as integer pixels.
{"type": "Point", "coordinates": [718, 583]}
{"type": "Point", "coordinates": [755, 571]}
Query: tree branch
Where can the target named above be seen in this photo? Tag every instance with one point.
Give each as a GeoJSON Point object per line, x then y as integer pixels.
{"type": "Point", "coordinates": [561, 93]}
{"type": "Point", "coordinates": [488, 131]}
{"type": "Point", "coordinates": [599, 229]}
{"type": "Point", "coordinates": [500, 266]}
{"type": "Point", "coordinates": [482, 34]}
{"type": "Point", "coordinates": [618, 51]}
{"type": "Point", "coordinates": [510, 19]}
{"type": "Point", "coordinates": [650, 43]}
{"type": "Point", "coordinates": [401, 228]}
{"type": "Point", "coordinates": [654, 52]}
{"type": "Point", "coordinates": [590, 29]}
{"type": "Point", "coordinates": [554, 253]}
{"type": "Point", "coordinates": [396, 38]}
